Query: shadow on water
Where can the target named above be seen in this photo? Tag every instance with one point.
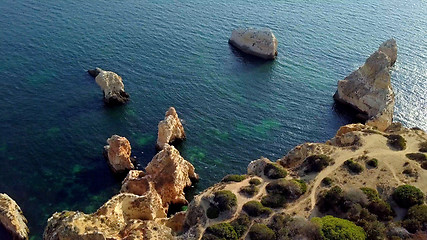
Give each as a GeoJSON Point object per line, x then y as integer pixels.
{"type": "Point", "coordinates": [4, 234]}
{"type": "Point", "coordinates": [347, 113]}
{"type": "Point", "coordinates": [253, 61]}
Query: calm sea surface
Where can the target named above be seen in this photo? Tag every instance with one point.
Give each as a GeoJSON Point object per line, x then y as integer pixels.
{"type": "Point", "coordinates": [175, 53]}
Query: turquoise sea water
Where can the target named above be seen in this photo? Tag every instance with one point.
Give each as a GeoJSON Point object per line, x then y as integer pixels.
{"type": "Point", "coordinates": [175, 53]}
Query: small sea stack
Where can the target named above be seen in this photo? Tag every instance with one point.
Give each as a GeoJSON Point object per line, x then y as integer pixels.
{"type": "Point", "coordinates": [118, 153]}
{"type": "Point", "coordinates": [170, 129]}
{"type": "Point", "coordinates": [369, 89]}
{"type": "Point", "coordinates": [111, 85]}
{"type": "Point", "coordinates": [258, 42]}
{"type": "Point", "coordinates": [12, 218]}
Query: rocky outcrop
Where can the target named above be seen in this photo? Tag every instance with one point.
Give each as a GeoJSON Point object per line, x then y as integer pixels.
{"type": "Point", "coordinates": [369, 89]}
{"type": "Point", "coordinates": [170, 129]}
{"type": "Point", "coordinates": [169, 173]}
{"type": "Point", "coordinates": [112, 86]}
{"type": "Point", "coordinates": [125, 216]}
{"type": "Point", "coordinates": [12, 218]}
{"type": "Point", "coordinates": [118, 153]}
{"type": "Point", "coordinates": [258, 42]}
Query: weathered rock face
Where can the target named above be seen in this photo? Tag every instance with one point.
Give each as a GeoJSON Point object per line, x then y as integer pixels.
{"type": "Point", "coordinates": [12, 218]}
{"type": "Point", "coordinates": [112, 86]}
{"type": "Point", "coordinates": [258, 42]}
{"type": "Point", "coordinates": [170, 129]}
{"type": "Point", "coordinates": [125, 216]}
{"type": "Point", "coordinates": [118, 152]}
{"type": "Point", "coordinates": [169, 173]}
{"type": "Point", "coordinates": [369, 89]}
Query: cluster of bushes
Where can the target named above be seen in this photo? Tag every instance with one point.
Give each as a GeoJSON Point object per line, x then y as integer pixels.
{"type": "Point", "coordinates": [317, 163]}
{"type": "Point", "coordinates": [234, 178]}
{"type": "Point", "coordinates": [423, 147]}
{"type": "Point", "coordinates": [397, 142]}
{"type": "Point", "coordinates": [416, 219]}
{"type": "Point", "coordinates": [286, 228]}
{"type": "Point", "coordinates": [274, 171]}
{"type": "Point", "coordinates": [327, 181]}
{"type": "Point", "coordinates": [419, 157]}
{"type": "Point", "coordinates": [407, 196]}
{"type": "Point", "coordinates": [228, 230]}
{"type": "Point", "coordinates": [281, 190]}
{"type": "Point", "coordinates": [353, 166]}
{"type": "Point", "coordinates": [223, 201]}
{"type": "Point", "coordinates": [252, 189]}
{"type": "Point", "coordinates": [372, 162]}
{"type": "Point", "coordinates": [261, 232]}
{"type": "Point", "coordinates": [256, 209]}
{"type": "Point", "coordinates": [333, 228]}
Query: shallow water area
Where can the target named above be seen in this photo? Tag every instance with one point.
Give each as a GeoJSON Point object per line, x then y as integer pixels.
{"type": "Point", "coordinates": [235, 108]}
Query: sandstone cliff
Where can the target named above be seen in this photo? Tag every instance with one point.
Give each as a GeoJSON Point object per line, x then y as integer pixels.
{"type": "Point", "coordinates": [111, 85]}
{"type": "Point", "coordinates": [170, 129]}
{"type": "Point", "coordinates": [258, 42]}
{"type": "Point", "coordinates": [118, 152]}
{"type": "Point", "coordinates": [12, 218]}
{"type": "Point", "coordinates": [369, 88]}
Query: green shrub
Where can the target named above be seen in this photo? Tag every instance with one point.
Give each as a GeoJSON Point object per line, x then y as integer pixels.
{"type": "Point", "coordinates": [241, 224]}
{"type": "Point", "coordinates": [302, 185]}
{"type": "Point", "coordinates": [274, 171]}
{"type": "Point", "coordinates": [250, 190]}
{"type": "Point", "coordinates": [407, 196]}
{"type": "Point", "coordinates": [375, 230]}
{"type": "Point", "coordinates": [279, 221]}
{"type": "Point", "coordinates": [255, 181]}
{"type": "Point", "coordinates": [423, 147]}
{"type": "Point", "coordinates": [330, 199]}
{"type": "Point", "coordinates": [339, 229]}
{"type": "Point", "coordinates": [382, 209]}
{"type": "Point", "coordinates": [225, 200]}
{"type": "Point", "coordinates": [327, 181]}
{"type": "Point", "coordinates": [317, 163]}
{"type": "Point", "coordinates": [255, 209]}
{"type": "Point", "coordinates": [273, 201]}
{"type": "Point", "coordinates": [288, 189]}
{"type": "Point", "coordinates": [212, 212]}
{"type": "Point", "coordinates": [353, 166]}
{"type": "Point", "coordinates": [371, 193]}
{"type": "Point", "coordinates": [419, 157]}
{"type": "Point", "coordinates": [221, 231]}
{"type": "Point", "coordinates": [416, 219]}
{"type": "Point", "coordinates": [397, 142]}
{"type": "Point", "coordinates": [372, 162]}
{"type": "Point", "coordinates": [234, 178]}
{"type": "Point", "coordinates": [261, 232]}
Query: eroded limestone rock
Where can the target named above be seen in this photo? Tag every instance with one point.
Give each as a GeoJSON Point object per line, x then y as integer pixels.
{"type": "Point", "coordinates": [170, 129]}
{"type": "Point", "coordinates": [118, 152]}
{"type": "Point", "coordinates": [111, 85]}
{"type": "Point", "coordinates": [258, 42]}
{"type": "Point", "coordinates": [12, 218]}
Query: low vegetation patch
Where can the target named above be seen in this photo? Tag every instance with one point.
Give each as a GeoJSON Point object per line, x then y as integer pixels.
{"type": "Point", "coordinates": [419, 157]}
{"type": "Point", "coordinates": [241, 224]}
{"type": "Point", "coordinates": [234, 178]}
{"type": "Point", "coordinates": [353, 166]}
{"type": "Point", "coordinates": [372, 162]}
{"type": "Point", "coordinates": [274, 171]}
{"type": "Point", "coordinates": [220, 231]}
{"type": "Point", "coordinates": [407, 196]}
{"type": "Point", "coordinates": [333, 228]}
{"type": "Point", "coordinates": [273, 201]}
{"type": "Point", "coordinates": [249, 191]}
{"type": "Point", "coordinates": [327, 181]}
{"type": "Point", "coordinates": [330, 199]}
{"type": "Point", "coordinates": [289, 189]}
{"type": "Point", "coordinates": [371, 193]}
{"type": "Point", "coordinates": [416, 219]}
{"type": "Point", "coordinates": [397, 142]}
{"type": "Point", "coordinates": [423, 147]}
{"type": "Point", "coordinates": [256, 209]}
{"type": "Point", "coordinates": [261, 232]}
{"type": "Point", "coordinates": [317, 163]}
{"type": "Point", "coordinates": [255, 181]}
{"type": "Point", "coordinates": [225, 200]}
{"type": "Point", "coordinates": [212, 212]}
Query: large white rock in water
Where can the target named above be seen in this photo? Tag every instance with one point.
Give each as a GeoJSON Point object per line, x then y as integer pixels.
{"type": "Point", "coordinates": [12, 218]}
{"type": "Point", "coordinates": [112, 86]}
{"type": "Point", "coordinates": [369, 90]}
{"type": "Point", "coordinates": [170, 129]}
{"type": "Point", "coordinates": [258, 42]}
{"type": "Point", "coordinates": [118, 152]}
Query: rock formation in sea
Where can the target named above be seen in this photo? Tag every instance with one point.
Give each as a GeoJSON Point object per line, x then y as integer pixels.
{"type": "Point", "coordinates": [170, 129]}
{"type": "Point", "coordinates": [369, 88]}
{"type": "Point", "coordinates": [258, 42]}
{"type": "Point", "coordinates": [111, 85]}
{"type": "Point", "coordinates": [12, 218]}
{"type": "Point", "coordinates": [118, 153]}
{"type": "Point", "coordinates": [139, 211]}
{"type": "Point", "coordinates": [169, 173]}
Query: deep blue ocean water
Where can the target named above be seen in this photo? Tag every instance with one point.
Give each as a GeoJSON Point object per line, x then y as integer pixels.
{"type": "Point", "coordinates": [175, 53]}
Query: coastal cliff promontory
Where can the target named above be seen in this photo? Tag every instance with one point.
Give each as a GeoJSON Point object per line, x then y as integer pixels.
{"type": "Point", "coordinates": [118, 153]}
{"type": "Point", "coordinates": [12, 218]}
{"type": "Point", "coordinates": [258, 42]}
{"type": "Point", "coordinates": [170, 129]}
{"type": "Point", "coordinates": [369, 88]}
